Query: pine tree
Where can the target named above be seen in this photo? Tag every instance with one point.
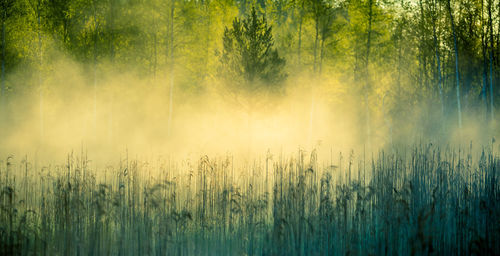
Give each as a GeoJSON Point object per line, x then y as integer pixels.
{"type": "Point", "coordinates": [249, 57]}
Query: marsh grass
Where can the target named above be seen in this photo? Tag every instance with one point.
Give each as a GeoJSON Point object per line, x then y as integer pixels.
{"type": "Point", "coordinates": [421, 201]}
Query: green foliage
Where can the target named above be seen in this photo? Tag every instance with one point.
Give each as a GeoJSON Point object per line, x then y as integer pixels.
{"type": "Point", "coordinates": [6, 7]}
{"type": "Point", "coordinates": [249, 56]}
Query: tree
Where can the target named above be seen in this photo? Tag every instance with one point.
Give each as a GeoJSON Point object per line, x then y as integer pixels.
{"type": "Point", "coordinates": [59, 20]}
{"type": "Point", "coordinates": [36, 6]}
{"type": "Point", "coordinates": [171, 41]}
{"type": "Point", "coordinates": [457, 74]}
{"type": "Point", "coordinates": [434, 15]}
{"type": "Point", "coordinates": [484, 46]}
{"type": "Point", "coordinates": [6, 7]}
{"type": "Point", "coordinates": [249, 56]}
{"type": "Point", "coordinates": [301, 20]}
{"type": "Point", "coordinates": [331, 22]}
{"type": "Point", "coordinates": [94, 39]}
{"type": "Point", "coordinates": [111, 16]}
{"type": "Point", "coordinates": [319, 10]}
{"type": "Point", "coordinates": [490, 22]}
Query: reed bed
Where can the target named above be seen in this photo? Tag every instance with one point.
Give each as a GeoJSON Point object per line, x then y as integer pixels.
{"type": "Point", "coordinates": [420, 201]}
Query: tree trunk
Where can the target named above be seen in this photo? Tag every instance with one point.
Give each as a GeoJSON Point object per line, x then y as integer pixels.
{"type": "Point", "coordinates": [484, 46]}
{"type": "Point", "coordinates": [400, 55]}
{"type": "Point", "coordinates": [369, 38]}
{"type": "Point", "coordinates": [40, 69]}
{"type": "Point", "coordinates": [321, 55]}
{"type": "Point", "coordinates": [2, 89]}
{"type": "Point", "coordinates": [171, 53]}
{"type": "Point", "coordinates": [492, 105]}
{"type": "Point", "coordinates": [315, 49]}
{"type": "Point", "coordinates": [95, 63]}
{"type": "Point", "coordinates": [300, 33]}
{"type": "Point", "coordinates": [457, 73]}
{"type": "Point", "coordinates": [111, 28]}
{"type": "Point", "coordinates": [490, 21]}
{"type": "Point", "coordinates": [322, 46]}
{"type": "Point", "coordinates": [155, 50]}
{"type": "Point", "coordinates": [367, 71]}
{"type": "Point", "coordinates": [423, 56]}
{"type": "Point", "coordinates": [207, 46]}
{"type": "Point", "coordinates": [498, 36]}
{"type": "Point", "coordinates": [438, 59]}
{"type": "Point", "coordinates": [315, 69]}
{"type": "Point", "coordinates": [65, 32]}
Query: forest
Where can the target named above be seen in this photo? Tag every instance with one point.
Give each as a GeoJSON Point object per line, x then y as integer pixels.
{"type": "Point", "coordinates": [249, 127]}
{"type": "Point", "coordinates": [392, 62]}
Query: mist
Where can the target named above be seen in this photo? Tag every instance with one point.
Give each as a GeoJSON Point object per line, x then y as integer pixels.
{"type": "Point", "coordinates": [131, 115]}
{"type": "Point", "coordinates": [159, 78]}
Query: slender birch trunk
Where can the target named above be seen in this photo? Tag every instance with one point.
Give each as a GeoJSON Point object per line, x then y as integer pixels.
{"type": "Point", "coordinates": [40, 61]}
{"type": "Point", "coordinates": [316, 38]}
{"type": "Point", "coordinates": [155, 50]}
{"type": "Point", "coordinates": [321, 55]}
{"type": "Point", "coordinates": [94, 39]}
{"type": "Point", "coordinates": [490, 21]}
{"type": "Point", "coordinates": [367, 71]}
{"type": "Point", "coordinates": [484, 46]}
{"type": "Point", "coordinates": [315, 68]}
{"type": "Point", "coordinates": [2, 89]}
{"type": "Point", "coordinates": [299, 48]}
{"type": "Point", "coordinates": [400, 55]}
{"type": "Point", "coordinates": [207, 43]}
{"type": "Point", "coordinates": [438, 56]}
{"type": "Point", "coordinates": [111, 28]}
{"type": "Point", "coordinates": [457, 72]}
{"type": "Point", "coordinates": [171, 53]}
{"type": "Point", "coordinates": [322, 45]}
{"type": "Point", "coordinates": [423, 57]}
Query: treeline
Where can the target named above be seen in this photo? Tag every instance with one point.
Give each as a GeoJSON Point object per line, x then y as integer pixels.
{"type": "Point", "coordinates": [394, 53]}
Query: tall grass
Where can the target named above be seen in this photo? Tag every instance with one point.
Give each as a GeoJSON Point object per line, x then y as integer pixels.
{"type": "Point", "coordinates": [422, 201]}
